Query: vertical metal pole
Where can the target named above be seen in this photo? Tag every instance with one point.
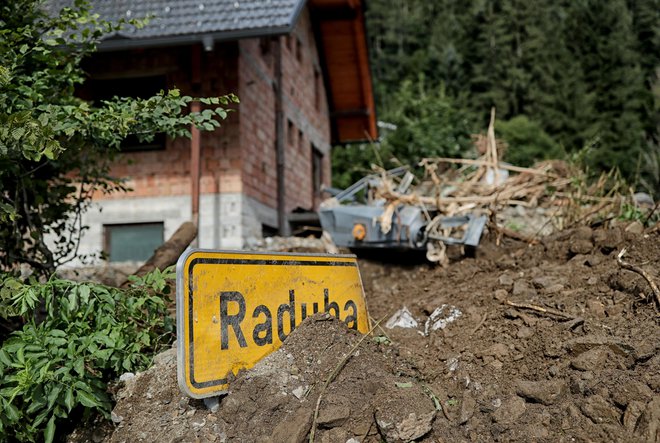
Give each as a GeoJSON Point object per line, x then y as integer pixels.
{"type": "Point", "coordinates": [282, 221]}
{"type": "Point", "coordinates": [195, 151]}
{"type": "Point", "coordinates": [195, 145]}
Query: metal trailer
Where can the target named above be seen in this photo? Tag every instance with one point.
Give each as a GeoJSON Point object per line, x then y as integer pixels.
{"type": "Point", "coordinates": [354, 224]}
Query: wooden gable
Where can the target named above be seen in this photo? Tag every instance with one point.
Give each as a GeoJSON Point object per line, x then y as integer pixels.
{"type": "Point", "coordinates": [342, 42]}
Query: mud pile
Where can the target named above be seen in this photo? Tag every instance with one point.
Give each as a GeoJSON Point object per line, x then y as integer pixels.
{"type": "Point", "coordinates": [475, 368]}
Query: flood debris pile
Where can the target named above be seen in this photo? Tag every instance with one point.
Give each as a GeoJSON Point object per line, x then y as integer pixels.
{"type": "Point", "coordinates": [369, 398]}
{"type": "Point", "coordinates": [551, 342]}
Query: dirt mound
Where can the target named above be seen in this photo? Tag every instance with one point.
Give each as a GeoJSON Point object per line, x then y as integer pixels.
{"type": "Point", "coordinates": [275, 401]}
{"type": "Point", "coordinates": [553, 342]}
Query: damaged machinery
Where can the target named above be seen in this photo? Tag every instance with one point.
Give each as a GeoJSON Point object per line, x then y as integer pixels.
{"type": "Point", "coordinates": [359, 218]}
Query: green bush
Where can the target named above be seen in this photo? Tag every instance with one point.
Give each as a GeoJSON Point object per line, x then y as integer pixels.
{"type": "Point", "coordinates": [527, 141]}
{"type": "Point", "coordinates": [59, 368]}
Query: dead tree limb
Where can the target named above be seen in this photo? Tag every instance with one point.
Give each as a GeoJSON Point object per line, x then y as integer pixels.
{"type": "Point", "coordinates": [540, 309]}
{"type": "Point", "coordinates": [640, 271]}
{"type": "Point", "coordinates": [168, 253]}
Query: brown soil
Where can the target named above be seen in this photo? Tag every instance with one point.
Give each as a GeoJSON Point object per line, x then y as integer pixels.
{"type": "Point", "coordinates": [494, 373]}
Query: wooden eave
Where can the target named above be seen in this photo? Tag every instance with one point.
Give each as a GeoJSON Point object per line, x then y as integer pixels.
{"type": "Point", "coordinates": [342, 41]}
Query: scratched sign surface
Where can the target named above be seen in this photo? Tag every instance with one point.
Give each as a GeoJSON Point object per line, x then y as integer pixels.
{"type": "Point", "coordinates": [235, 308]}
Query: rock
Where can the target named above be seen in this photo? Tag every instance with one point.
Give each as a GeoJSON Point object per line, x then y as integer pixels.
{"type": "Point", "coordinates": [333, 416]}
{"type": "Point", "coordinates": [630, 390]}
{"type": "Point", "coordinates": [545, 392]}
{"type": "Point", "coordinates": [524, 332]}
{"type": "Point", "coordinates": [299, 392]}
{"type": "Point", "coordinates": [583, 233]}
{"type": "Point", "coordinates": [410, 428]}
{"type": "Point", "coordinates": [501, 294]}
{"type": "Point", "coordinates": [596, 308]}
{"type": "Point", "coordinates": [165, 357]}
{"type": "Point", "coordinates": [632, 414]}
{"type": "Point", "coordinates": [334, 435]}
{"type": "Point", "coordinates": [554, 289]}
{"type": "Point", "coordinates": [212, 403]}
{"type": "Point", "coordinates": [497, 350]}
{"type": "Point", "coordinates": [467, 408]}
{"type": "Point", "coordinates": [581, 247]}
{"type": "Point", "coordinates": [648, 425]}
{"type": "Point", "coordinates": [591, 360]}
{"type": "Point", "coordinates": [608, 240]}
{"type": "Point", "coordinates": [116, 418]}
{"type": "Point", "coordinates": [522, 289]}
{"type": "Point", "coordinates": [582, 344]}
{"type": "Point", "coordinates": [505, 280]}
{"type": "Point", "coordinates": [510, 410]}
{"type": "Point", "coordinates": [599, 410]}
{"type": "Point", "coordinates": [295, 427]}
{"type": "Point", "coordinates": [635, 227]}
{"type": "Point", "coordinates": [126, 376]}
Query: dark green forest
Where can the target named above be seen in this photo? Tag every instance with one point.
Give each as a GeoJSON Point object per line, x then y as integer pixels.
{"type": "Point", "coordinates": [568, 79]}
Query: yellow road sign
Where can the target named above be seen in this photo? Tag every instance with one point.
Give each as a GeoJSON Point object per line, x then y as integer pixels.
{"type": "Point", "coordinates": [235, 308]}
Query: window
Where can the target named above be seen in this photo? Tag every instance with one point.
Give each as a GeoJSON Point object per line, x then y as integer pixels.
{"type": "Point", "coordinates": [317, 172]}
{"type": "Point", "coordinates": [136, 87]}
{"type": "Point", "coordinates": [301, 139]}
{"type": "Point", "coordinates": [132, 242]}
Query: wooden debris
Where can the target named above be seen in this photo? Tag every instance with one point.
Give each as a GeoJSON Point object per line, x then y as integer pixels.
{"type": "Point", "coordinates": [540, 309]}
{"type": "Point", "coordinates": [642, 272]}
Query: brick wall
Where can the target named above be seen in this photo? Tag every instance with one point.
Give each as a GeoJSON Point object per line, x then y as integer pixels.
{"type": "Point", "coordinates": [167, 172]}
{"type": "Point", "coordinates": [306, 116]}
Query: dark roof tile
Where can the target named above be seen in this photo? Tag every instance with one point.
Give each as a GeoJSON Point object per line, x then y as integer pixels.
{"type": "Point", "coordinates": [189, 17]}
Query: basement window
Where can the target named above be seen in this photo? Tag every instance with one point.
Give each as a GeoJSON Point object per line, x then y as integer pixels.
{"type": "Point", "coordinates": [135, 87]}
{"type": "Point", "coordinates": [132, 242]}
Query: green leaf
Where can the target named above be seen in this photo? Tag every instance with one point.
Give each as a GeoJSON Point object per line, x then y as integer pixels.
{"type": "Point", "coordinates": [49, 432]}
{"type": "Point", "coordinates": [68, 399]}
{"type": "Point", "coordinates": [11, 412]}
{"type": "Point", "coordinates": [53, 395]}
{"type": "Point", "coordinates": [87, 399]}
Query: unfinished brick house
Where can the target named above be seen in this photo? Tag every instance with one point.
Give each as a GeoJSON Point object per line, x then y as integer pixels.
{"type": "Point", "coordinates": [301, 71]}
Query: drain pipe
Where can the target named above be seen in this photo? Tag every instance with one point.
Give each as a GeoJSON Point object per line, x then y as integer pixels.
{"type": "Point", "coordinates": [283, 223]}
{"type": "Point", "coordinates": [195, 144]}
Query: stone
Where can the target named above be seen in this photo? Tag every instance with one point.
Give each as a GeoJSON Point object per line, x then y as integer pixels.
{"type": "Point", "coordinates": [333, 416]}
{"type": "Point", "coordinates": [635, 227]}
{"type": "Point", "coordinates": [599, 411]}
{"type": "Point", "coordinates": [596, 308]}
{"type": "Point", "coordinates": [631, 415]}
{"type": "Point", "coordinates": [410, 428]}
{"type": "Point", "coordinates": [545, 392]}
{"type": "Point", "coordinates": [501, 294]}
{"type": "Point", "coordinates": [165, 357]}
{"type": "Point", "coordinates": [212, 403]}
{"type": "Point", "coordinates": [524, 332]}
{"type": "Point", "coordinates": [510, 410]}
{"type": "Point", "coordinates": [116, 418]}
{"type": "Point", "coordinates": [126, 376]}
{"type": "Point", "coordinates": [591, 360]}
{"type": "Point", "coordinates": [554, 289]}
{"type": "Point", "coordinates": [581, 247]}
{"type": "Point", "coordinates": [522, 289]}
{"type": "Point", "coordinates": [467, 408]}
{"type": "Point", "coordinates": [497, 350]}
{"type": "Point", "coordinates": [648, 425]}
{"type": "Point", "coordinates": [299, 392]}
{"type": "Point", "coordinates": [505, 280]}
{"type": "Point", "coordinates": [295, 427]}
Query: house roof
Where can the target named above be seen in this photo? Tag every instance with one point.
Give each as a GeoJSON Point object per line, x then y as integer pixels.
{"type": "Point", "coordinates": [339, 27]}
{"type": "Point", "coordinates": [181, 21]}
